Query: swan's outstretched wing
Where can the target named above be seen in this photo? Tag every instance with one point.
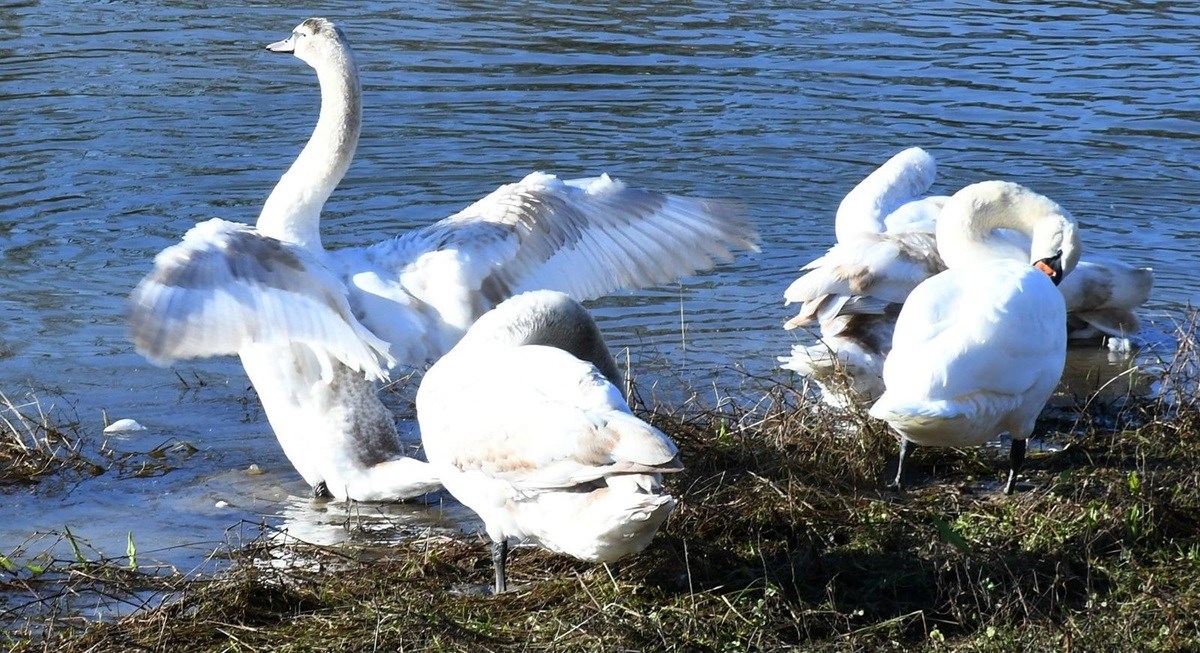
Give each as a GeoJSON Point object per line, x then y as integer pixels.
{"type": "Point", "coordinates": [534, 416]}
{"type": "Point", "coordinates": [902, 179]}
{"type": "Point", "coordinates": [226, 286]}
{"type": "Point", "coordinates": [583, 237]}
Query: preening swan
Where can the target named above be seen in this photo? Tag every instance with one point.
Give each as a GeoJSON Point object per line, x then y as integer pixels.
{"type": "Point", "coordinates": [315, 328]}
{"type": "Point", "coordinates": [526, 425]}
{"type": "Point", "coordinates": [886, 246]}
{"type": "Point", "coordinates": [966, 364]}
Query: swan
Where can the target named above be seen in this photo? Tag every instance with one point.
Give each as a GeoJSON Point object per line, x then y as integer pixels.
{"type": "Point", "coordinates": [886, 246]}
{"type": "Point", "coordinates": [525, 422]}
{"type": "Point", "coordinates": [968, 365]}
{"type": "Point", "coordinates": [316, 329]}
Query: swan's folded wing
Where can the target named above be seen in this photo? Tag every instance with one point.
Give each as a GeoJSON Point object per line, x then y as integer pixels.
{"type": "Point", "coordinates": [867, 273]}
{"type": "Point", "coordinates": [588, 237]}
{"type": "Point", "coordinates": [227, 286]}
{"type": "Point", "coordinates": [978, 331]}
{"type": "Point", "coordinates": [536, 417]}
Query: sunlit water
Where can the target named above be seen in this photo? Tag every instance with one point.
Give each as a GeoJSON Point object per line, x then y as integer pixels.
{"type": "Point", "coordinates": [122, 125]}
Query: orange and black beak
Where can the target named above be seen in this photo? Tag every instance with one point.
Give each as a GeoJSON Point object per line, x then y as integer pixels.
{"type": "Point", "coordinates": [1052, 266]}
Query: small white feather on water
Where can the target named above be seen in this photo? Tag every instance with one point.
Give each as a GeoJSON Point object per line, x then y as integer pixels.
{"type": "Point", "coordinates": [124, 426]}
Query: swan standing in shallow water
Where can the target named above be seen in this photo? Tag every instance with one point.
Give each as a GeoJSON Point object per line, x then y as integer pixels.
{"type": "Point", "coordinates": [314, 328]}
{"type": "Point", "coordinates": [979, 348]}
{"type": "Point", "coordinates": [886, 246]}
{"type": "Point", "coordinates": [524, 420]}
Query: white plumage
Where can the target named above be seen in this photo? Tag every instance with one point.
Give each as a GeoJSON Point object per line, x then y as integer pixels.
{"type": "Point", "coordinates": [314, 328]}
{"type": "Point", "coordinates": [979, 348]}
{"type": "Point", "coordinates": [526, 425]}
{"type": "Point", "coordinates": [886, 246]}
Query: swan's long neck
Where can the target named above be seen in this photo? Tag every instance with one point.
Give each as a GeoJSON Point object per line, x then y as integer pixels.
{"type": "Point", "coordinates": [293, 211]}
{"type": "Point", "coordinates": [970, 227]}
{"type": "Point", "coordinates": [903, 178]}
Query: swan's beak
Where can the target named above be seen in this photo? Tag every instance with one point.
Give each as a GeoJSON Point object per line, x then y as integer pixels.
{"type": "Point", "coordinates": [1051, 266]}
{"type": "Point", "coordinates": [285, 46]}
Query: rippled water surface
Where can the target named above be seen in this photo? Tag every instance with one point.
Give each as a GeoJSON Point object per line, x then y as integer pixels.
{"type": "Point", "coordinates": [123, 124]}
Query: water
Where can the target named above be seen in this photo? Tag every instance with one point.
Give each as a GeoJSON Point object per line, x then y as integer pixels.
{"type": "Point", "coordinates": [123, 124]}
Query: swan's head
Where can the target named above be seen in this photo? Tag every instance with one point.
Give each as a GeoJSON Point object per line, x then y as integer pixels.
{"type": "Point", "coordinates": [972, 226]}
{"type": "Point", "coordinates": [315, 41]}
{"type": "Point", "coordinates": [548, 318]}
{"type": "Point", "coordinates": [1056, 247]}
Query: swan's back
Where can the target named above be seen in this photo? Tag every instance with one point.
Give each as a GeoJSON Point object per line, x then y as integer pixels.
{"type": "Point", "coordinates": [546, 318]}
{"type": "Point", "coordinates": [540, 442]}
{"type": "Point", "coordinates": [967, 365]}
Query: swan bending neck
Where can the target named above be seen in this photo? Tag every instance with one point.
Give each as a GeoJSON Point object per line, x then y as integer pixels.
{"type": "Point", "coordinates": [970, 228]}
{"type": "Point", "coordinates": [292, 213]}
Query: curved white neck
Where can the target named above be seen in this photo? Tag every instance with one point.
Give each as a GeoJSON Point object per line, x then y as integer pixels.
{"type": "Point", "coordinates": [971, 227]}
{"type": "Point", "coordinates": [292, 213]}
{"type": "Point", "coordinates": [901, 179]}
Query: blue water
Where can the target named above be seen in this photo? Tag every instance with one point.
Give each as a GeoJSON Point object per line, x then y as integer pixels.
{"type": "Point", "coordinates": [123, 124]}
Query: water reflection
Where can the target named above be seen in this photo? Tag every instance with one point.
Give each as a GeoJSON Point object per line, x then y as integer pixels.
{"type": "Point", "coordinates": [339, 522]}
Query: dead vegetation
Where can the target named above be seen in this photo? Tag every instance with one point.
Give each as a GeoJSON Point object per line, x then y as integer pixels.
{"type": "Point", "coordinates": [783, 539]}
{"type": "Point", "coordinates": [36, 440]}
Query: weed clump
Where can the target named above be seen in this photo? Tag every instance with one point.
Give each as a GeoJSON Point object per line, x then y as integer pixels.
{"type": "Point", "coordinates": [36, 441]}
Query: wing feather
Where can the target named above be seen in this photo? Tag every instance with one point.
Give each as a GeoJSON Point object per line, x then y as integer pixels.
{"type": "Point", "coordinates": [226, 286]}
{"type": "Point", "coordinates": [589, 237]}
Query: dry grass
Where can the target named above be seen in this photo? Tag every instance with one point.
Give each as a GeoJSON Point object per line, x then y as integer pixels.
{"type": "Point", "coordinates": [783, 539]}
{"type": "Point", "coordinates": [36, 441]}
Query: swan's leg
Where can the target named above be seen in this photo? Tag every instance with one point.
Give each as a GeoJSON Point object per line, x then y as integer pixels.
{"type": "Point", "coordinates": [321, 491]}
{"type": "Point", "coordinates": [1016, 456]}
{"type": "Point", "coordinates": [906, 448]}
{"type": "Point", "coordinates": [499, 556]}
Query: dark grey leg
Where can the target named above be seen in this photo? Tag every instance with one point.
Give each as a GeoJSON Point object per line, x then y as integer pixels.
{"type": "Point", "coordinates": [1016, 456]}
{"type": "Point", "coordinates": [321, 491]}
{"type": "Point", "coordinates": [499, 556]}
{"type": "Point", "coordinates": [906, 448]}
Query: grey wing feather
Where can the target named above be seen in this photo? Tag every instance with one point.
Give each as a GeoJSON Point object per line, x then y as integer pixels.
{"type": "Point", "coordinates": [588, 237]}
{"type": "Point", "coordinates": [226, 286]}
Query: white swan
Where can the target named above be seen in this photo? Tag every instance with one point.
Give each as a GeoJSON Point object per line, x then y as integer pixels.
{"type": "Point", "coordinates": [886, 246]}
{"type": "Point", "coordinates": [525, 422]}
{"type": "Point", "coordinates": [979, 348]}
{"type": "Point", "coordinates": [315, 328]}
{"type": "Point", "coordinates": [891, 199]}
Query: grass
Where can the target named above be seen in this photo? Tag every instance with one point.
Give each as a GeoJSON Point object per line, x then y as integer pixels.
{"type": "Point", "coordinates": [38, 441]}
{"type": "Point", "coordinates": [783, 539]}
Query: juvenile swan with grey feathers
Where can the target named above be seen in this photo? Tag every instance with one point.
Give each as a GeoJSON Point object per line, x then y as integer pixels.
{"type": "Point", "coordinates": [315, 328]}
{"type": "Point", "coordinates": [525, 423]}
